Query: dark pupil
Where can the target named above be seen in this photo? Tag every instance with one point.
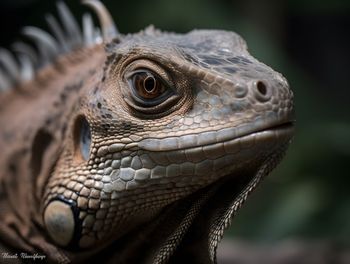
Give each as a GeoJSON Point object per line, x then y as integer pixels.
{"type": "Point", "coordinates": [149, 84]}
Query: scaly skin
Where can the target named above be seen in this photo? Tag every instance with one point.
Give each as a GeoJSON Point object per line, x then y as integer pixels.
{"type": "Point", "coordinates": [160, 177]}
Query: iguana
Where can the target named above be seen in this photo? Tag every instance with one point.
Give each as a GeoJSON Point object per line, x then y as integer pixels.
{"type": "Point", "coordinates": [134, 148]}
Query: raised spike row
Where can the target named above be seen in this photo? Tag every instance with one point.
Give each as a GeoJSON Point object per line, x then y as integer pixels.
{"type": "Point", "coordinates": [22, 48]}
{"type": "Point", "coordinates": [70, 25]}
{"type": "Point", "coordinates": [109, 30]}
{"type": "Point", "coordinates": [65, 38]}
{"type": "Point", "coordinates": [26, 68]}
{"type": "Point", "coordinates": [9, 64]}
{"type": "Point", "coordinates": [47, 45]}
{"type": "Point", "coordinates": [98, 36]}
{"type": "Point", "coordinates": [58, 32]}
{"type": "Point", "coordinates": [88, 30]}
{"type": "Point", "coordinates": [5, 82]}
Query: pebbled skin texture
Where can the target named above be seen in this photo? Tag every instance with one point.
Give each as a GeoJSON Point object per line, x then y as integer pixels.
{"type": "Point", "coordinates": [162, 179]}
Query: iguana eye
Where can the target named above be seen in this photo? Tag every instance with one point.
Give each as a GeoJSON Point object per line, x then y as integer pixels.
{"type": "Point", "coordinates": [150, 89]}
{"type": "Point", "coordinates": [147, 85]}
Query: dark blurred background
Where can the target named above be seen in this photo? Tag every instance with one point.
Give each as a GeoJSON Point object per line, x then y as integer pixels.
{"type": "Point", "coordinates": [307, 199]}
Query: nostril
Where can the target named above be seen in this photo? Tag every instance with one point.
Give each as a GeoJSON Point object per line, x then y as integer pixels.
{"type": "Point", "coordinates": [262, 91]}
{"type": "Point", "coordinates": [261, 87]}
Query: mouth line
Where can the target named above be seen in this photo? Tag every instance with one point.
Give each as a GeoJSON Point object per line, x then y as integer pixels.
{"type": "Point", "coordinates": [286, 124]}
{"type": "Point", "coordinates": [277, 127]}
{"type": "Point", "coordinates": [222, 136]}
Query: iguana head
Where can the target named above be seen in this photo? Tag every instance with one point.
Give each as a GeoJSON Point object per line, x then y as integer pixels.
{"type": "Point", "coordinates": [168, 116]}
